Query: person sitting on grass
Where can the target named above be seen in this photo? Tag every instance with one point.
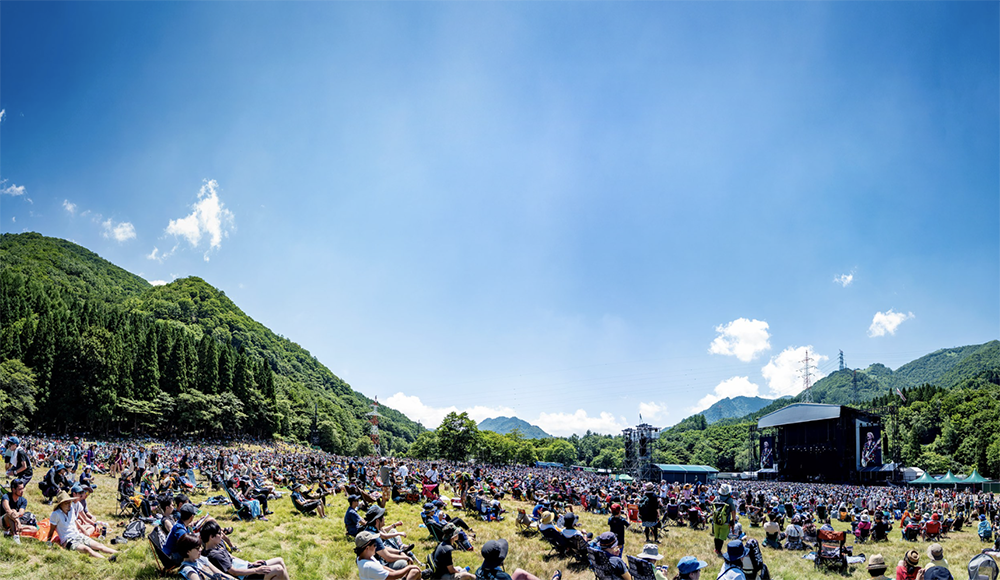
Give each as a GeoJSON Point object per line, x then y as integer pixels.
{"type": "Point", "coordinates": [442, 518]}
{"type": "Point", "coordinates": [395, 558]}
{"type": "Point", "coordinates": [55, 479]}
{"type": "Point", "coordinates": [14, 507]}
{"type": "Point", "coordinates": [194, 566]}
{"type": "Point", "coordinates": [909, 567]}
{"type": "Point", "coordinates": [877, 567]}
{"type": "Point", "coordinates": [494, 553]}
{"type": "Point", "coordinates": [307, 506]}
{"type": "Point", "coordinates": [84, 519]}
{"type": "Point", "coordinates": [353, 521]}
{"type": "Point", "coordinates": [444, 566]}
{"type": "Point", "coordinates": [219, 556]}
{"type": "Point", "coordinates": [689, 568]}
{"type": "Point", "coordinates": [63, 521]}
{"type": "Point", "coordinates": [732, 567]}
{"type": "Point", "coordinates": [370, 568]}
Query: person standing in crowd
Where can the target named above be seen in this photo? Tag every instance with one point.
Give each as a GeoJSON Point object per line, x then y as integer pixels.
{"type": "Point", "coordinates": [20, 461]}
{"type": "Point", "coordinates": [649, 513]}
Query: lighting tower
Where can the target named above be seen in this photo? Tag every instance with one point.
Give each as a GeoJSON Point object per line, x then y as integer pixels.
{"type": "Point", "coordinates": [374, 430]}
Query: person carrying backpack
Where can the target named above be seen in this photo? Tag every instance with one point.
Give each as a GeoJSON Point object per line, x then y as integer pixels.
{"type": "Point", "coordinates": [649, 513]}
{"type": "Point", "coordinates": [722, 520]}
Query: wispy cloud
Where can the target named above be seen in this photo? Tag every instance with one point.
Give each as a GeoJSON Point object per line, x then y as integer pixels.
{"type": "Point", "coordinates": [209, 218]}
{"type": "Point", "coordinates": [122, 231]}
{"type": "Point", "coordinates": [844, 280]}
{"type": "Point", "coordinates": [431, 417]}
{"type": "Point", "coordinates": [742, 338]}
{"type": "Point", "coordinates": [12, 189]}
{"type": "Point", "coordinates": [887, 322]}
{"type": "Point", "coordinates": [69, 206]}
{"type": "Point", "coordinates": [3, 114]}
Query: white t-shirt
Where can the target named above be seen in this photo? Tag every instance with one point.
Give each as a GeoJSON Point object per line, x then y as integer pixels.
{"type": "Point", "coordinates": [432, 475]}
{"type": "Point", "coordinates": [371, 570]}
{"type": "Point", "coordinates": [403, 471]}
{"type": "Point", "coordinates": [65, 524]}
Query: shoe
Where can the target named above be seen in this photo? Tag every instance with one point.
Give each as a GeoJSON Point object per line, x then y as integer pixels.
{"type": "Point", "coordinates": [557, 575]}
{"type": "Point", "coordinates": [17, 539]}
{"type": "Point", "coordinates": [227, 531]}
{"type": "Point", "coordinates": [407, 548]}
{"type": "Point", "coordinates": [268, 513]}
{"type": "Point", "coordinates": [113, 558]}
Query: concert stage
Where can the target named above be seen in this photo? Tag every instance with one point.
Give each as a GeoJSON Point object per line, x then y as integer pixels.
{"type": "Point", "coordinates": [813, 442]}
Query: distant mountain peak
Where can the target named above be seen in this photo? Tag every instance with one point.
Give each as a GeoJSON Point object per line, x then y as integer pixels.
{"type": "Point", "coordinates": [733, 407]}
{"type": "Point", "coordinates": [504, 425]}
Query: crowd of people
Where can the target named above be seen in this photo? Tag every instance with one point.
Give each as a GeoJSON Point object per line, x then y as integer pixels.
{"type": "Point", "coordinates": [158, 476]}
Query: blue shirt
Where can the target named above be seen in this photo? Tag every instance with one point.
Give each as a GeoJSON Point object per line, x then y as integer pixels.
{"type": "Point", "coordinates": [175, 534]}
{"type": "Point", "coordinates": [352, 521]}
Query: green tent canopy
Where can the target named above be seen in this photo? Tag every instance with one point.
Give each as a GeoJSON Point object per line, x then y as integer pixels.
{"type": "Point", "coordinates": [924, 479]}
{"type": "Point", "coordinates": [949, 479]}
{"type": "Point", "coordinates": [975, 478]}
{"type": "Point", "coordinates": [624, 477]}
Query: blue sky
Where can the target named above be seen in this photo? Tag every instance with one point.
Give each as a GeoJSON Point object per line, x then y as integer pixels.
{"type": "Point", "coordinates": [570, 212]}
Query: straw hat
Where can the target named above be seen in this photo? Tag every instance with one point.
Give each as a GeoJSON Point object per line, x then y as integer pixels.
{"type": "Point", "coordinates": [64, 497]}
{"type": "Point", "coordinates": [877, 562]}
{"type": "Point", "coordinates": [547, 518]}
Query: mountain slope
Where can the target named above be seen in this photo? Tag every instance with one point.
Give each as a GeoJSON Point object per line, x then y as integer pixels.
{"type": "Point", "coordinates": [125, 354]}
{"type": "Point", "coordinates": [734, 407]}
{"type": "Point", "coordinates": [504, 425]}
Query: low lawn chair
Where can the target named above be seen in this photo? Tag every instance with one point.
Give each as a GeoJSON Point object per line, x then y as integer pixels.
{"type": "Point", "coordinates": [242, 510]}
{"type": "Point", "coordinates": [600, 564]}
{"type": "Point", "coordinates": [641, 569]}
{"type": "Point", "coordinates": [832, 554]}
{"type": "Point", "coordinates": [164, 563]}
{"type": "Point", "coordinates": [524, 523]}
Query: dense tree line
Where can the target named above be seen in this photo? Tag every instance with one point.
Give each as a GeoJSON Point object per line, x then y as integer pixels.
{"type": "Point", "coordinates": [72, 364]}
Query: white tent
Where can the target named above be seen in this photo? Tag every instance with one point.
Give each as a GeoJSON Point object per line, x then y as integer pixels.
{"type": "Point", "coordinates": [911, 473]}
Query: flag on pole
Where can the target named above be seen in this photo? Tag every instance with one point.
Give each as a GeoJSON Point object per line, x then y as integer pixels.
{"type": "Point", "coordinates": [900, 393]}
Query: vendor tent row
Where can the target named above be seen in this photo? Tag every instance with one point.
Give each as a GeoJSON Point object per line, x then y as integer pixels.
{"type": "Point", "coordinates": [950, 479]}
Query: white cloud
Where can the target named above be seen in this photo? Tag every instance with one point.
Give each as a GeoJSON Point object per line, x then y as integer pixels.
{"type": "Point", "coordinates": [732, 387]}
{"type": "Point", "coordinates": [13, 190]}
{"type": "Point", "coordinates": [3, 114]}
{"type": "Point", "coordinates": [844, 279]}
{"type": "Point", "coordinates": [650, 411]}
{"type": "Point", "coordinates": [209, 218]}
{"type": "Point", "coordinates": [70, 207]}
{"type": "Point", "coordinates": [565, 424]}
{"type": "Point", "coordinates": [121, 231]}
{"type": "Point", "coordinates": [887, 322]}
{"type": "Point", "coordinates": [784, 373]}
{"type": "Point", "coordinates": [13, 219]}
{"type": "Point", "coordinates": [431, 417]}
{"type": "Point", "coordinates": [742, 338]}
{"type": "Point", "coordinates": [157, 282]}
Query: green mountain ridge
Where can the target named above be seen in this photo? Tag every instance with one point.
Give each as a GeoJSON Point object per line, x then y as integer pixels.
{"type": "Point", "coordinates": [504, 425]}
{"type": "Point", "coordinates": [732, 407]}
{"type": "Point", "coordinates": [127, 352]}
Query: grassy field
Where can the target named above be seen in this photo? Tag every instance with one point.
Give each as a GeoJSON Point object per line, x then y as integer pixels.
{"type": "Point", "coordinates": [319, 550]}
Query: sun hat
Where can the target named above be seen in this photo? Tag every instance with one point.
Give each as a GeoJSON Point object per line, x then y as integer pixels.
{"type": "Point", "coordinates": [494, 552]}
{"type": "Point", "coordinates": [64, 497]}
{"type": "Point", "coordinates": [76, 489]}
{"type": "Point", "coordinates": [937, 573]}
{"type": "Point", "coordinates": [607, 540]}
{"type": "Point", "coordinates": [548, 517]}
{"type": "Point", "coordinates": [364, 538]}
{"type": "Point", "coordinates": [690, 564]}
{"type": "Point", "coordinates": [649, 485]}
{"type": "Point", "coordinates": [735, 550]}
{"type": "Point", "coordinates": [448, 531]}
{"type": "Point", "coordinates": [912, 557]}
{"type": "Point", "coordinates": [877, 562]}
{"type": "Point", "coordinates": [374, 513]}
{"type": "Point", "coordinates": [724, 489]}
{"type": "Point", "coordinates": [650, 552]}
{"type": "Point", "coordinates": [438, 503]}
{"type": "Point", "coordinates": [935, 552]}
{"type": "Point", "coordinates": [569, 520]}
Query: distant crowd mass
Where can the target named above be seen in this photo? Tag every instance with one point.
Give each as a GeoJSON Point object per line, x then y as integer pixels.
{"type": "Point", "coordinates": [156, 479]}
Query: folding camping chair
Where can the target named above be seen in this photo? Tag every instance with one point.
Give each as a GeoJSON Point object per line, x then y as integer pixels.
{"type": "Point", "coordinates": [164, 563]}
{"type": "Point", "coordinates": [641, 569]}
{"type": "Point", "coordinates": [600, 563]}
{"type": "Point", "coordinates": [242, 510]}
{"type": "Point", "coordinates": [524, 523]}
{"type": "Point", "coordinates": [983, 567]}
{"type": "Point", "coordinates": [832, 554]}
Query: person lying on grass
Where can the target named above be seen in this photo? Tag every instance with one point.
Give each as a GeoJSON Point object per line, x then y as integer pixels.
{"type": "Point", "coordinates": [305, 505]}
{"type": "Point", "coordinates": [218, 555]}
{"type": "Point", "coordinates": [194, 566]}
{"type": "Point", "coordinates": [14, 507]}
{"type": "Point", "coordinates": [370, 568]}
{"type": "Point", "coordinates": [63, 521]}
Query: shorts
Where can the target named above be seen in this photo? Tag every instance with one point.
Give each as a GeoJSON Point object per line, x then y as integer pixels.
{"type": "Point", "coordinates": [72, 544]}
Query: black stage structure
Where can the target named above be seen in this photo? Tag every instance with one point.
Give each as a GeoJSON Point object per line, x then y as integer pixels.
{"type": "Point", "coordinates": [814, 442]}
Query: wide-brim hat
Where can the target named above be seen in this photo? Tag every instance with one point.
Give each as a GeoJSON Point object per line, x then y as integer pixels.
{"type": "Point", "coordinates": [64, 497]}
{"type": "Point", "coordinates": [448, 531]}
{"type": "Point", "coordinates": [724, 489]}
{"type": "Point", "coordinates": [877, 562]}
{"type": "Point", "coordinates": [494, 552]}
{"type": "Point", "coordinates": [548, 517]}
{"type": "Point", "coordinates": [912, 557]}
{"type": "Point", "coordinates": [569, 520]}
{"type": "Point", "coordinates": [374, 513]}
{"type": "Point", "coordinates": [735, 550]}
{"type": "Point", "coordinates": [650, 552]}
{"type": "Point", "coordinates": [690, 564]}
{"type": "Point", "coordinates": [935, 552]}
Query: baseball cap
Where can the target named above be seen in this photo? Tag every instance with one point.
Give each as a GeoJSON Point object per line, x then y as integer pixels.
{"type": "Point", "coordinates": [364, 538]}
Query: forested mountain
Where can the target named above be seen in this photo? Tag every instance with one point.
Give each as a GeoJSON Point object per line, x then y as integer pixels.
{"type": "Point", "coordinates": [504, 425]}
{"type": "Point", "coordinates": [100, 349]}
{"type": "Point", "coordinates": [731, 407]}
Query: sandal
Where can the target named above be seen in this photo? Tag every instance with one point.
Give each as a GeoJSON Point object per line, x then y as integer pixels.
{"type": "Point", "coordinates": [557, 575]}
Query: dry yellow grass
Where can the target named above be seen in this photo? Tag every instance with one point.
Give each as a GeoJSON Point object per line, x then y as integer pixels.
{"type": "Point", "coordinates": [319, 550]}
